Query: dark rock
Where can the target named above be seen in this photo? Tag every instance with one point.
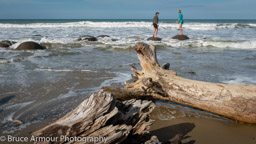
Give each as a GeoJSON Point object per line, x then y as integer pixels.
{"type": "Point", "coordinates": [154, 39]}
{"type": "Point", "coordinates": [30, 46]}
{"type": "Point", "coordinates": [37, 35]}
{"type": "Point", "coordinates": [87, 38]}
{"type": "Point", "coordinates": [166, 66]}
{"type": "Point", "coordinates": [114, 39]}
{"type": "Point", "coordinates": [180, 37]}
{"type": "Point", "coordinates": [6, 43]}
{"type": "Point", "coordinates": [102, 36]}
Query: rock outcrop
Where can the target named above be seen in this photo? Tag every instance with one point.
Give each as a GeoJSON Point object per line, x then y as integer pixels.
{"type": "Point", "coordinates": [87, 38]}
{"type": "Point", "coordinates": [30, 46]}
{"type": "Point", "coordinates": [6, 43]}
{"type": "Point", "coordinates": [180, 37]}
{"type": "Point", "coordinates": [154, 39]}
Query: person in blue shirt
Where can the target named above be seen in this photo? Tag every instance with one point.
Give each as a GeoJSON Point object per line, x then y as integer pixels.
{"type": "Point", "coordinates": [180, 22]}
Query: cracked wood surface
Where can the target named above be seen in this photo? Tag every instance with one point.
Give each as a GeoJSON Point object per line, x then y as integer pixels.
{"type": "Point", "coordinates": [102, 115]}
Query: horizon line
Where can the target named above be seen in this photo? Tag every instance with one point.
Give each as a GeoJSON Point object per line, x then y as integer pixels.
{"type": "Point", "coordinates": [122, 19]}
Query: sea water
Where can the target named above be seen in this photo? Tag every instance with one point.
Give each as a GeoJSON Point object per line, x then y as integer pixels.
{"type": "Point", "coordinates": [38, 87]}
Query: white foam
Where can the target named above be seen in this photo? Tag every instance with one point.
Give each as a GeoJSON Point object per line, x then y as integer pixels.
{"type": "Point", "coordinates": [14, 46]}
{"type": "Point", "coordinates": [70, 93]}
{"type": "Point", "coordinates": [200, 26]}
{"type": "Point", "coordinates": [6, 61]}
{"type": "Point", "coordinates": [252, 25]}
{"type": "Point", "coordinates": [43, 25]}
{"type": "Point", "coordinates": [211, 43]}
{"type": "Point", "coordinates": [239, 79]}
{"type": "Point", "coordinates": [62, 70]}
{"type": "Point", "coordinates": [127, 24]}
{"type": "Point", "coordinates": [54, 40]}
{"type": "Point", "coordinates": [234, 44]}
{"type": "Point", "coordinates": [11, 60]}
{"type": "Point", "coordinates": [19, 105]}
{"type": "Point", "coordinates": [127, 43]}
{"type": "Point", "coordinates": [121, 78]}
{"type": "Point", "coordinates": [43, 40]}
{"type": "Point", "coordinates": [8, 117]}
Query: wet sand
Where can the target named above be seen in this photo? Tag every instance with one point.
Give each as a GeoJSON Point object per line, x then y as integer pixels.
{"type": "Point", "coordinates": [39, 104]}
{"type": "Point", "coordinates": [204, 131]}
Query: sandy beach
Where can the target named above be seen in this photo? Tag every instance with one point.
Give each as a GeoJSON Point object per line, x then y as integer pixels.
{"type": "Point", "coordinates": [203, 130]}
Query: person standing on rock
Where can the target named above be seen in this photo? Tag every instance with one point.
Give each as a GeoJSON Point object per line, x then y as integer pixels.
{"type": "Point", "coordinates": [155, 24]}
{"type": "Point", "coordinates": [180, 22]}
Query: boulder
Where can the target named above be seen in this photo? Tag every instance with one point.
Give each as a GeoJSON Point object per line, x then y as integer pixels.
{"type": "Point", "coordinates": [114, 39]}
{"type": "Point", "coordinates": [180, 37]}
{"type": "Point", "coordinates": [87, 38]}
{"type": "Point", "coordinates": [154, 39]}
{"type": "Point", "coordinates": [6, 43]}
{"type": "Point", "coordinates": [30, 46]}
{"type": "Point", "coordinates": [103, 36]}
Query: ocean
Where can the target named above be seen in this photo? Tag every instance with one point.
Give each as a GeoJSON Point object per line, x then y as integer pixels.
{"type": "Point", "coordinates": [38, 87]}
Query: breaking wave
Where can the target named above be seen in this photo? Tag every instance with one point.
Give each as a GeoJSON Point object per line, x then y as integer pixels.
{"type": "Point", "coordinates": [127, 42]}
{"type": "Point", "coordinates": [131, 24]}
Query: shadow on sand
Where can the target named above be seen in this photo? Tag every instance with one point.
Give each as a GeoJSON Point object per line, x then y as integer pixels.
{"type": "Point", "coordinates": [167, 133]}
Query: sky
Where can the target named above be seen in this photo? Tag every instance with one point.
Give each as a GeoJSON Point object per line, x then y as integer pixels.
{"type": "Point", "coordinates": [127, 9]}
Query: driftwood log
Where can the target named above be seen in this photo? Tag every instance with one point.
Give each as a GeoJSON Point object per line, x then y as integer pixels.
{"type": "Point", "coordinates": [102, 119]}
{"type": "Point", "coordinates": [237, 102]}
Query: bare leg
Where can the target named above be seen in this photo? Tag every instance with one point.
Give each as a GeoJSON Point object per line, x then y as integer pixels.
{"type": "Point", "coordinates": [181, 32]}
{"type": "Point", "coordinates": [156, 31]}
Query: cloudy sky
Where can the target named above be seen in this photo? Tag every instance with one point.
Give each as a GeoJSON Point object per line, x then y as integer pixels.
{"type": "Point", "coordinates": [126, 9]}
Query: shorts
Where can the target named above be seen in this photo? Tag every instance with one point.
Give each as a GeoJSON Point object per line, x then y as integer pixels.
{"type": "Point", "coordinates": [155, 25]}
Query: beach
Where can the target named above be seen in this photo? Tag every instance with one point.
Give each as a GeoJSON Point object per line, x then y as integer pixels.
{"type": "Point", "coordinates": [199, 126]}
{"type": "Point", "coordinates": [204, 131]}
{"type": "Point", "coordinates": [38, 87]}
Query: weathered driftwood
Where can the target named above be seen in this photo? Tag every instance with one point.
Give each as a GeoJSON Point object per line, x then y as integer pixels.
{"type": "Point", "coordinates": [233, 101]}
{"type": "Point", "coordinates": [102, 115]}
{"type": "Point", "coordinates": [128, 121]}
